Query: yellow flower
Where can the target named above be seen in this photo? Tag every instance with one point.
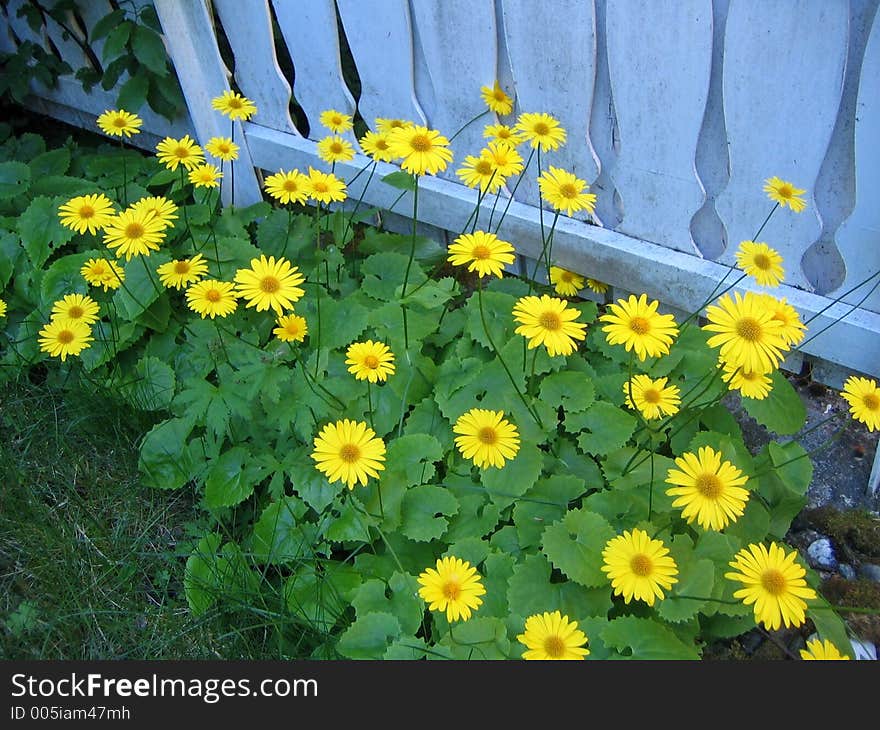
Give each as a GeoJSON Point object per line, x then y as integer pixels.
{"type": "Point", "coordinates": [566, 282]}
{"type": "Point", "coordinates": [233, 105]}
{"type": "Point", "coordinates": [709, 491]}
{"type": "Point", "coordinates": [761, 262]}
{"type": "Point", "coordinates": [792, 328]}
{"type": "Point", "coordinates": [822, 650]}
{"type": "Point", "coordinates": [349, 451]}
{"type": "Point", "coordinates": [211, 298]}
{"type": "Point", "coordinates": [552, 636]}
{"type": "Point", "coordinates": [2, 308]}
{"type": "Point", "coordinates": [173, 152]}
{"type": "Point", "coordinates": [291, 328]}
{"type": "Point", "coordinates": [335, 149]}
{"type": "Point", "coordinates": [548, 321]}
{"type": "Point", "coordinates": [541, 131]}
{"type": "Point", "coordinates": [87, 213]}
{"type": "Point", "coordinates": [183, 272]}
{"type": "Point", "coordinates": [749, 385]}
{"type": "Point", "coordinates": [565, 192]}
{"type": "Point", "coordinates": [324, 187]}
{"type": "Point", "coordinates": [103, 273]}
{"type": "Point", "coordinates": [376, 146]}
{"type": "Point", "coordinates": [480, 172]}
{"type": "Point", "coordinates": [495, 98]}
{"type": "Point", "coordinates": [336, 121]}
{"type": "Point", "coordinates": [502, 133]}
{"type": "Point", "coordinates": [223, 148]}
{"type": "Point", "coordinates": [863, 397]}
{"type": "Point", "coordinates": [597, 286]}
{"type": "Point", "coordinates": [288, 187]}
{"type": "Point", "coordinates": [653, 398]}
{"type": "Point", "coordinates": [505, 159]}
{"type": "Point", "coordinates": [638, 326]}
{"type": "Point", "coordinates": [454, 586]}
{"type": "Point", "coordinates": [482, 252]}
{"type": "Point", "coordinates": [784, 193]}
{"type": "Point", "coordinates": [773, 582]}
{"type": "Point", "coordinates": [205, 176]}
{"type": "Point", "coordinates": [269, 283]}
{"type": "Point", "coordinates": [423, 151]}
{"type": "Point", "coordinates": [134, 233]}
{"type": "Point", "coordinates": [118, 122]}
{"type": "Point", "coordinates": [163, 209]}
{"type": "Point", "coordinates": [76, 307]}
{"type": "Point", "coordinates": [486, 437]}
{"type": "Point", "coordinates": [372, 361]}
{"type": "Point", "coordinates": [61, 338]}
{"type": "Point", "coordinates": [385, 126]}
{"type": "Point", "coordinates": [638, 567]}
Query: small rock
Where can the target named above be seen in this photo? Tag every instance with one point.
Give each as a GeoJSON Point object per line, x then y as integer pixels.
{"type": "Point", "coordinates": [847, 571]}
{"type": "Point", "coordinates": [863, 649]}
{"type": "Point", "coordinates": [870, 571]}
{"type": "Point", "coordinates": [821, 554]}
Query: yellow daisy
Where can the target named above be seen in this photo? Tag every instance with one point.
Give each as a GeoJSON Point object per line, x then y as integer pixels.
{"type": "Point", "coordinates": [761, 262]}
{"type": "Point", "coordinates": [552, 636]}
{"type": "Point", "coordinates": [600, 287]}
{"type": "Point", "coordinates": [548, 321]}
{"type": "Point", "coordinates": [211, 298]}
{"type": "Point", "coordinates": [792, 328]}
{"type": "Point", "coordinates": [749, 384]}
{"type": "Point", "coordinates": [480, 172]}
{"type": "Point", "coordinates": [2, 308]}
{"type": "Point", "coordinates": [486, 437]}
{"type": "Point", "coordinates": [133, 233]}
{"type": "Point", "coordinates": [636, 324]}
{"type": "Point", "coordinates": [324, 187]}
{"type": "Point", "coordinates": [784, 193]}
{"type": "Point", "coordinates": [233, 105]}
{"type": "Point", "coordinates": [454, 586]}
{"type": "Point", "coordinates": [372, 361]}
{"type": "Point", "coordinates": [423, 151]}
{"type": "Point", "coordinates": [822, 650]}
{"type": "Point", "coordinates": [223, 148]}
{"type": "Point", "coordinates": [205, 176]}
{"type": "Point", "coordinates": [288, 187]}
{"type": "Point", "coordinates": [653, 398]}
{"type": "Point", "coordinates": [773, 582]}
{"type": "Point", "coordinates": [336, 121]}
{"type": "Point", "coordinates": [87, 213]}
{"type": "Point", "coordinates": [541, 131]}
{"type": "Point", "coordinates": [638, 567]}
{"type": "Point", "coordinates": [385, 126]}
{"type": "Point", "coordinates": [496, 99]}
{"type": "Point", "coordinates": [76, 307]}
{"type": "Point", "coordinates": [269, 283]}
{"type": "Point", "coordinates": [104, 273]}
{"type": "Point", "coordinates": [180, 273]}
{"type": "Point", "coordinates": [163, 209]}
{"type": "Point", "coordinates": [375, 144]}
{"type": "Point", "coordinates": [566, 282]}
{"type": "Point", "coordinates": [709, 491]}
{"type": "Point", "coordinates": [335, 149]}
{"type": "Point", "coordinates": [61, 338]}
{"type": "Point", "coordinates": [482, 252]}
{"type": "Point", "coordinates": [174, 152]}
{"type": "Point", "coordinates": [291, 328]}
{"type": "Point", "coordinates": [505, 159]}
{"type": "Point", "coordinates": [565, 192]}
{"type": "Point", "coordinates": [863, 397]}
{"type": "Point", "coordinates": [349, 451]}
{"type": "Point", "coordinates": [502, 133]}
{"type": "Point", "coordinates": [118, 122]}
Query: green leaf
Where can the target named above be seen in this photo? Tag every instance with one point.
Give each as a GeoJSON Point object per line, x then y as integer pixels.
{"type": "Point", "coordinates": [498, 315]}
{"type": "Point", "coordinates": [642, 638]}
{"type": "Point", "coordinates": [53, 162]}
{"type": "Point", "coordinates": [10, 250]}
{"type": "Point", "coordinates": [231, 478]}
{"type": "Point", "coordinates": [62, 185]}
{"type": "Point", "coordinates": [133, 93]}
{"type": "Point", "coordinates": [695, 579]}
{"type": "Point", "coordinates": [165, 461]}
{"type": "Point", "coordinates": [139, 290]}
{"type": "Point", "coordinates": [481, 638]}
{"type": "Point", "coordinates": [399, 597]}
{"type": "Point", "coordinates": [63, 276]}
{"type": "Point", "coordinates": [424, 512]}
{"type": "Point", "coordinates": [342, 322]}
{"type": "Point", "coordinates": [384, 274]}
{"type": "Point", "coordinates": [281, 535]}
{"type": "Point", "coordinates": [14, 179]}
{"type": "Point", "coordinates": [433, 294]}
{"type": "Point", "coordinates": [273, 237]}
{"type": "Point", "coordinates": [400, 180]}
{"type": "Point", "coordinates": [41, 230]}
{"type": "Point", "coordinates": [544, 504]}
{"type": "Point", "coordinates": [152, 386]}
{"type": "Point", "coordinates": [782, 411]}
{"type": "Point", "coordinates": [106, 24]}
{"type": "Point", "coordinates": [573, 391]}
{"type": "Point", "coordinates": [608, 428]}
{"type": "Point", "coordinates": [115, 43]}
{"type": "Point", "coordinates": [515, 478]}
{"type": "Point", "coordinates": [320, 593]}
{"type": "Point", "coordinates": [200, 577]}
{"type": "Point", "coordinates": [369, 636]}
{"type": "Point", "coordinates": [575, 546]}
{"type": "Point", "coordinates": [149, 49]}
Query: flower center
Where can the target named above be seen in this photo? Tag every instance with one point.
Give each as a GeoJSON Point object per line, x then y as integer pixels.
{"type": "Point", "coordinates": [504, 134]}
{"type": "Point", "coordinates": [554, 647]}
{"type": "Point", "coordinates": [567, 190]}
{"type": "Point", "coordinates": [499, 95]}
{"type": "Point", "coordinates": [709, 485]}
{"type": "Point", "coordinates": [651, 395]}
{"type": "Point", "coordinates": [749, 329]}
{"type": "Point", "coordinates": [181, 267]}
{"type": "Point", "coordinates": [182, 152]}
{"type": "Point", "coordinates": [451, 590]}
{"type": "Point", "coordinates": [396, 124]}
{"type": "Point", "coordinates": [134, 230]}
{"type": "Point", "coordinates": [550, 321]}
{"type": "Point", "coordinates": [234, 103]}
{"type": "Point", "coordinates": [290, 185]}
{"type": "Point", "coordinates": [270, 284]}
{"type": "Point", "coordinates": [481, 251]}
{"type": "Point", "coordinates": [420, 143]}
{"type": "Point", "coordinates": [213, 295]}
{"type": "Point", "coordinates": [381, 144]}
{"type": "Point", "coordinates": [773, 581]}
{"type": "Point", "coordinates": [336, 121]}
{"type": "Point", "coordinates": [65, 337]}
{"type": "Point", "coordinates": [784, 190]}
{"type": "Point", "coordinates": [75, 312]}
{"type": "Point", "coordinates": [748, 376]}
{"type": "Point", "coordinates": [487, 435]}
{"type": "Point", "coordinates": [98, 270]}
{"type": "Point", "coordinates": [371, 361]}
{"type": "Point", "coordinates": [224, 148]}
{"type": "Point", "coordinates": [484, 167]}
{"type": "Point", "coordinates": [336, 148]}
{"type": "Point", "coordinates": [640, 325]}
{"type": "Point", "coordinates": [565, 276]}
{"type": "Point", "coordinates": [119, 122]}
{"type": "Point", "coordinates": [871, 401]}
{"type": "Point", "coordinates": [87, 211]}
{"type": "Point", "coordinates": [641, 565]}
{"type": "Point", "coordinates": [320, 186]}
{"type": "Point", "coordinates": [762, 261]}
{"type": "Point", "coordinates": [541, 129]}
{"type": "Point", "coordinates": [349, 453]}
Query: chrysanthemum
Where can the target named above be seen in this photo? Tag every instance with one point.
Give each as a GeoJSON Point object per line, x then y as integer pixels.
{"type": "Point", "coordinates": [636, 324]}
{"type": "Point", "coordinates": [653, 398]}
{"type": "Point", "coordinates": [134, 233]}
{"type": "Point", "coordinates": [863, 397]}
{"type": "Point", "coordinates": [540, 130]}
{"type": "Point", "coordinates": [486, 437]}
{"type": "Point", "coordinates": [482, 252]}
{"type": "Point", "coordinates": [291, 328]}
{"type": "Point", "coordinates": [423, 151]}
{"type": "Point", "coordinates": [173, 152]}
{"type": "Point", "coordinates": [118, 122]}
{"type": "Point", "coordinates": [288, 187]}
{"type": "Point", "coordinates": [372, 361]}
{"type": "Point", "coordinates": [600, 287]}
{"type": "Point", "coordinates": [212, 298]}
{"type": "Point", "coordinates": [502, 133]}
{"type": "Point", "coordinates": [86, 213]}
{"type": "Point", "coordinates": [454, 586]}
{"type": "Point", "coordinates": [223, 148]}
{"type": "Point", "coordinates": [163, 209]}
{"type": "Point", "coordinates": [773, 582]}
{"type": "Point", "coordinates": [566, 282]}
{"type": "Point", "coordinates": [565, 192]}
{"type": "Point", "coordinates": [61, 338]}
{"type": "Point", "coordinates": [749, 385]}
{"type": "Point", "coordinates": [505, 159]}
{"type": "Point", "coordinates": [552, 636]}
{"type": "Point", "coordinates": [375, 144]}
{"type": "Point", "coordinates": [548, 321]}
{"type": "Point", "coordinates": [76, 307]}
{"type": "Point", "coordinates": [2, 308]}
{"type": "Point", "coordinates": [710, 492]}
{"type": "Point", "coordinates": [180, 273]}
{"type": "Point", "coordinates": [496, 99]}
{"type": "Point", "coordinates": [784, 193]}
{"type": "Point", "coordinates": [205, 176]}
{"type": "Point", "coordinates": [748, 335]}
{"type": "Point", "coordinates": [104, 273]}
{"type": "Point", "coordinates": [324, 187]}
{"type": "Point", "coordinates": [638, 567]}
{"type": "Point", "coordinates": [761, 262]}
{"type": "Point", "coordinates": [335, 149]}
{"type": "Point", "coordinates": [480, 172]}
{"type": "Point", "coordinates": [233, 105]}
{"type": "Point", "coordinates": [822, 650]}
{"type": "Point", "coordinates": [269, 283]}
{"type": "Point", "coordinates": [792, 328]}
{"type": "Point", "coordinates": [336, 121]}
{"type": "Point", "coordinates": [349, 451]}
{"type": "Point", "coordinates": [385, 126]}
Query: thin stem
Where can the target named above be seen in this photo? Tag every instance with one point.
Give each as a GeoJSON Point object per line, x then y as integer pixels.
{"type": "Point", "coordinates": [513, 192]}
{"type": "Point", "coordinates": [468, 123]}
{"type": "Point", "coordinates": [222, 343]}
{"type": "Point", "coordinates": [232, 167]}
{"type": "Point", "coordinates": [854, 307]}
{"type": "Point", "coordinates": [370, 403]}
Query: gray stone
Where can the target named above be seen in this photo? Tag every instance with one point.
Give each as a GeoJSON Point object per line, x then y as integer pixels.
{"type": "Point", "coordinates": [821, 554]}
{"type": "Point", "coordinates": [847, 571]}
{"type": "Point", "coordinates": [864, 649]}
{"type": "Point", "coordinates": [870, 571]}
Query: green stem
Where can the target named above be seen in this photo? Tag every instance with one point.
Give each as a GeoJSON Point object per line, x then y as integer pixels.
{"type": "Point", "coordinates": [370, 403]}
{"type": "Point", "coordinates": [468, 123]}
{"type": "Point", "coordinates": [513, 192]}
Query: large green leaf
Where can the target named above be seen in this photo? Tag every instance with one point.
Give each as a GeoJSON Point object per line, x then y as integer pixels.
{"type": "Point", "coordinates": [201, 575]}
{"type": "Point", "coordinates": [424, 512]}
{"type": "Point", "coordinates": [606, 428]}
{"type": "Point", "coordinates": [53, 162]}
{"type": "Point", "coordinates": [14, 179]}
{"type": "Point", "coordinates": [515, 478]}
{"type": "Point", "coordinates": [574, 545]}
{"type": "Point", "coordinates": [281, 535]}
{"type": "Point", "coordinates": [782, 411]}
{"type": "Point", "coordinates": [643, 638]}
{"type": "Point", "coordinates": [321, 592]}
{"type": "Point", "coordinates": [149, 49]}
{"type": "Point", "coordinates": [369, 636]}
{"type": "Point", "coordinates": [573, 391]}
{"type": "Point", "coordinates": [41, 231]}
{"type": "Point", "coordinates": [152, 385]}
{"type": "Point", "coordinates": [165, 461]}
{"type": "Point", "coordinates": [231, 478]}
{"type": "Point", "coordinates": [399, 596]}
{"type": "Point", "coordinates": [140, 287]}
